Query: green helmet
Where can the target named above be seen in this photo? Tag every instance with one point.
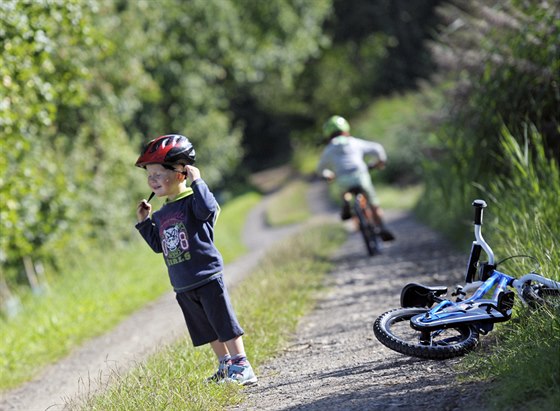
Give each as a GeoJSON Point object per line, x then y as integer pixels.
{"type": "Point", "coordinates": [335, 125]}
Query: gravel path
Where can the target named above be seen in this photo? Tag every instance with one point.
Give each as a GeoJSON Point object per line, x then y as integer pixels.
{"type": "Point", "coordinates": [334, 362]}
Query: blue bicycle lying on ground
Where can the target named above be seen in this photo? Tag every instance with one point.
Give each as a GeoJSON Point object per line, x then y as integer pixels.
{"type": "Point", "coordinates": [452, 328]}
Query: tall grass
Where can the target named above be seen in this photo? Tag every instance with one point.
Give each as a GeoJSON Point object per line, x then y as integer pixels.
{"type": "Point", "coordinates": [528, 201]}
{"type": "Point", "coordinates": [524, 207]}
{"type": "Point", "coordinates": [269, 303]}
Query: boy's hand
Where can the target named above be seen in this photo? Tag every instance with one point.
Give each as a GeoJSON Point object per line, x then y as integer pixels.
{"type": "Point", "coordinates": [143, 210]}
{"type": "Point", "coordinates": [328, 175]}
{"type": "Point", "coordinates": [193, 173]}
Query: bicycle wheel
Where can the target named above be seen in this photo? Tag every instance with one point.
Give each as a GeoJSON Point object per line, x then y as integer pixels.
{"type": "Point", "coordinates": [393, 330]}
{"type": "Point", "coordinates": [367, 230]}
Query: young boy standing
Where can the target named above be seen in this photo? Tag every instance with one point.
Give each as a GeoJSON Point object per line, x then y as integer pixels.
{"type": "Point", "coordinates": [183, 230]}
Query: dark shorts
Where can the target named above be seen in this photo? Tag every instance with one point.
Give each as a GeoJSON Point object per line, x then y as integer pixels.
{"type": "Point", "coordinates": [209, 314]}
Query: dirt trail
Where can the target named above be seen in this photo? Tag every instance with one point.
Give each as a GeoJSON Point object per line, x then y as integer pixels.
{"type": "Point", "coordinates": [334, 361]}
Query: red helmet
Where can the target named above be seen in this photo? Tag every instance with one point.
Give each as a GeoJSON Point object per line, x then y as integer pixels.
{"type": "Point", "coordinates": [168, 150]}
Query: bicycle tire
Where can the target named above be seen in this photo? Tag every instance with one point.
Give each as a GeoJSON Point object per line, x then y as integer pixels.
{"type": "Point", "coordinates": [393, 330]}
{"type": "Point", "coordinates": [377, 241]}
{"type": "Point", "coordinates": [367, 231]}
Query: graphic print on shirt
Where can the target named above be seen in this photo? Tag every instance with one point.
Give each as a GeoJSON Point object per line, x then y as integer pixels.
{"type": "Point", "coordinates": [175, 242]}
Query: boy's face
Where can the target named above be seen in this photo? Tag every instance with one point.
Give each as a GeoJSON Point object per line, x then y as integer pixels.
{"type": "Point", "coordinates": [162, 181]}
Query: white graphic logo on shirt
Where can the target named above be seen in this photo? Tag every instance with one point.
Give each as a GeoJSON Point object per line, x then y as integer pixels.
{"type": "Point", "coordinates": [175, 244]}
{"type": "Point", "coordinates": [171, 238]}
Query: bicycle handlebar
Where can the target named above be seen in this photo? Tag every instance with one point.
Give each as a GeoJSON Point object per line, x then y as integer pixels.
{"type": "Point", "coordinates": [376, 165]}
{"type": "Point", "coordinates": [479, 206]}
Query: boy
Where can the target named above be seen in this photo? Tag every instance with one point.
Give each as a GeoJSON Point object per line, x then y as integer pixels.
{"type": "Point", "coordinates": [183, 230]}
{"type": "Point", "coordinates": [345, 155]}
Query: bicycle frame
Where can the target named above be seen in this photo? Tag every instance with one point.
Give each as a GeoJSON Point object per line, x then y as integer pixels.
{"type": "Point", "coordinates": [363, 212]}
{"type": "Point", "coordinates": [474, 309]}
{"type": "Point", "coordinates": [361, 207]}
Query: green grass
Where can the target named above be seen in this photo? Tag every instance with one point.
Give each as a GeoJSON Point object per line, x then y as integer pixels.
{"type": "Point", "coordinates": [268, 303]}
{"type": "Point", "coordinates": [391, 197]}
{"type": "Point", "coordinates": [289, 205]}
{"type": "Point", "coordinates": [525, 364]}
{"type": "Point", "coordinates": [305, 159]}
{"type": "Point", "coordinates": [88, 300]}
{"type": "Point", "coordinates": [93, 296]}
{"type": "Point", "coordinates": [398, 198]}
{"type": "Point", "coordinates": [231, 223]}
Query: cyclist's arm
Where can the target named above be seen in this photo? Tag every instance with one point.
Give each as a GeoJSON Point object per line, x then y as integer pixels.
{"type": "Point", "coordinates": [374, 149]}
{"type": "Point", "coordinates": [324, 167]}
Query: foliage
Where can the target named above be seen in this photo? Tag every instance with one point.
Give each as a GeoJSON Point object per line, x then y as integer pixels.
{"type": "Point", "coordinates": [527, 201]}
{"type": "Point", "coordinates": [62, 123]}
{"type": "Point", "coordinates": [407, 26]}
{"type": "Point", "coordinates": [503, 70]}
{"type": "Point", "coordinates": [86, 82]}
{"type": "Point", "coordinates": [367, 49]}
{"type": "Point", "coordinates": [397, 122]}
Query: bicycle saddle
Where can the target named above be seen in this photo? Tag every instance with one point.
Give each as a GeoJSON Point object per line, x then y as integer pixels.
{"type": "Point", "coordinates": [355, 190]}
{"type": "Point", "coordinates": [419, 295]}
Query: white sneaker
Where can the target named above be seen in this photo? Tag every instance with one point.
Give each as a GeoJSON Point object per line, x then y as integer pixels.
{"type": "Point", "coordinates": [242, 374]}
{"type": "Point", "coordinates": [222, 372]}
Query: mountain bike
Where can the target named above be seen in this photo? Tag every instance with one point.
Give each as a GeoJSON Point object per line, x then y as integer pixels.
{"type": "Point", "coordinates": [452, 328]}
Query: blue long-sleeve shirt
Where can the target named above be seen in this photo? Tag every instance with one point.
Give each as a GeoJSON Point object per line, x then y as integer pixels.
{"type": "Point", "coordinates": [183, 230]}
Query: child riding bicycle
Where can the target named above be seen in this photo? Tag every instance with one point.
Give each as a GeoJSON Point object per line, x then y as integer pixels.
{"type": "Point", "coordinates": [343, 160]}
